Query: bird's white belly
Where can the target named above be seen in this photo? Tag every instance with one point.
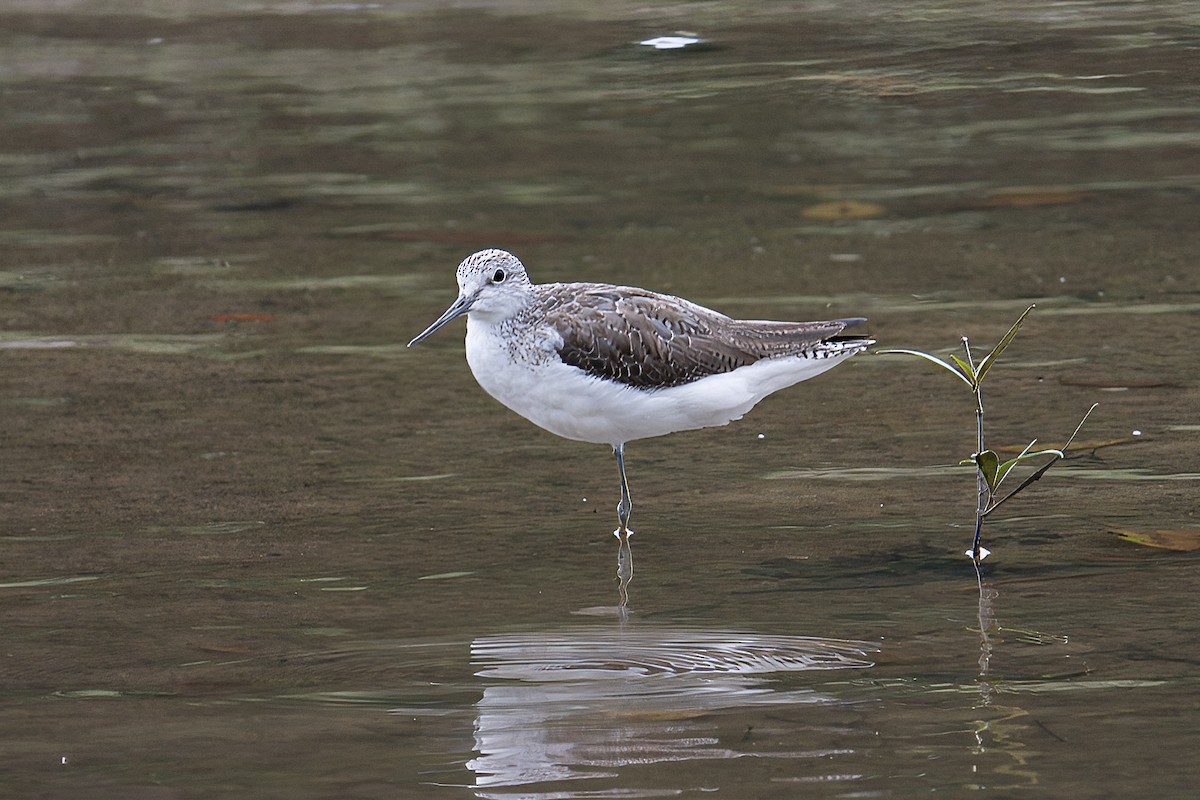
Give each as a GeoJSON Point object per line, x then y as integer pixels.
{"type": "Point", "coordinates": [569, 402]}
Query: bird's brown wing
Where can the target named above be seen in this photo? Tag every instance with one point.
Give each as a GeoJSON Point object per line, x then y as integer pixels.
{"type": "Point", "coordinates": [650, 340]}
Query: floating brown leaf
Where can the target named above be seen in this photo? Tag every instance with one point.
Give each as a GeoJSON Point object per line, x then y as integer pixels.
{"type": "Point", "coordinates": [1030, 197]}
{"type": "Point", "coordinates": [1182, 541]}
{"type": "Point", "coordinates": [845, 209]}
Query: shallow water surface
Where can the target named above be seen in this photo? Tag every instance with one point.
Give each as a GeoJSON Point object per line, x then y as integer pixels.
{"type": "Point", "coordinates": [252, 545]}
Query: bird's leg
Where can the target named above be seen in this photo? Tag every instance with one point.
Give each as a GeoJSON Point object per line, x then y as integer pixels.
{"type": "Point", "coordinates": [625, 507]}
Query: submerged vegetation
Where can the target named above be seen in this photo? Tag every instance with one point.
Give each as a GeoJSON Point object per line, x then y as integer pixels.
{"type": "Point", "coordinates": [990, 470]}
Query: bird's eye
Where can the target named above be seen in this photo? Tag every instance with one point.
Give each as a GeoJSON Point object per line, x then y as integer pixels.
{"type": "Point", "coordinates": [498, 276]}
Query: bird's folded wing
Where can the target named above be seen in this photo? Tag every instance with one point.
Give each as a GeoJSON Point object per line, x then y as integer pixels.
{"type": "Point", "coordinates": [649, 340]}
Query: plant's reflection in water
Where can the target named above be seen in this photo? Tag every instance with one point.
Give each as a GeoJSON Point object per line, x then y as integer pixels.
{"type": "Point", "coordinates": [583, 703]}
{"type": "Point", "coordinates": [987, 626]}
{"type": "Point", "coordinates": [1003, 734]}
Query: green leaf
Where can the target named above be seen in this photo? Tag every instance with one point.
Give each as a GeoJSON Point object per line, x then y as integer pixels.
{"type": "Point", "coordinates": [1040, 471]}
{"type": "Point", "coordinates": [991, 357]}
{"type": "Point", "coordinates": [1079, 427]}
{"type": "Point", "coordinates": [965, 368]}
{"type": "Point", "coordinates": [1036, 476]}
{"type": "Point", "coordinates": [1005, 468]}
{"type": "Point", "coordinates": [988, 463]}
{"type": "Point", "coordinates": [935, 360]}
{"type": "Point", "coordinates": [1026, 454]}
{"type": "Point", "coordinates": [1012, 462]}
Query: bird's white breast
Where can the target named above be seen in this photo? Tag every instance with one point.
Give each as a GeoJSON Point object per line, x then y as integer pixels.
{"type": "Point", "coordinates": [521, 368]}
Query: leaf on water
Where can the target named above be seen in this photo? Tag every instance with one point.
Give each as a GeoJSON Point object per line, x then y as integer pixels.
{"type": "Point", "coordinates": [1180, 541]}
{"type": "Point", "coordinates": [1032, 196]}
{"type": "Point", "coordinates": [845, 209]}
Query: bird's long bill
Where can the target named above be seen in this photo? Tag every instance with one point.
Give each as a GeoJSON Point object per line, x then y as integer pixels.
{"type": "Point", "coordinates": [459, 307]}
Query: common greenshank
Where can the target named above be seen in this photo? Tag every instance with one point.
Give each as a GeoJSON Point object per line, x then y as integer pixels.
{"type": "Point", "coordinates": [610, 364]}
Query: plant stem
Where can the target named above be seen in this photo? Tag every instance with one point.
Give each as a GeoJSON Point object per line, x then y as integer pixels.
{"type": "Point", "coordinates": [981, 486]}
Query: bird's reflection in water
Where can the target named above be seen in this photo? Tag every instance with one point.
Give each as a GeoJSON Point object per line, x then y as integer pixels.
{"type": "Point", "coordinates": [582, 703]}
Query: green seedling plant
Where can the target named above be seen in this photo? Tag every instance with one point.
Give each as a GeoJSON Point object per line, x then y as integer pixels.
{"type": "Point", "coordinates": [990, 470]}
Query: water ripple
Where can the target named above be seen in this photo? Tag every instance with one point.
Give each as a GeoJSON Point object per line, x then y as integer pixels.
{"type": "Point", "coordinates": [593, 654]}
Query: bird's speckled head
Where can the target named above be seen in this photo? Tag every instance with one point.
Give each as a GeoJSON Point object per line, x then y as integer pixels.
{"type": "Point", "coordinates": [496, 281]}
{"type": "Point", "coordinates": [492, 284]}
